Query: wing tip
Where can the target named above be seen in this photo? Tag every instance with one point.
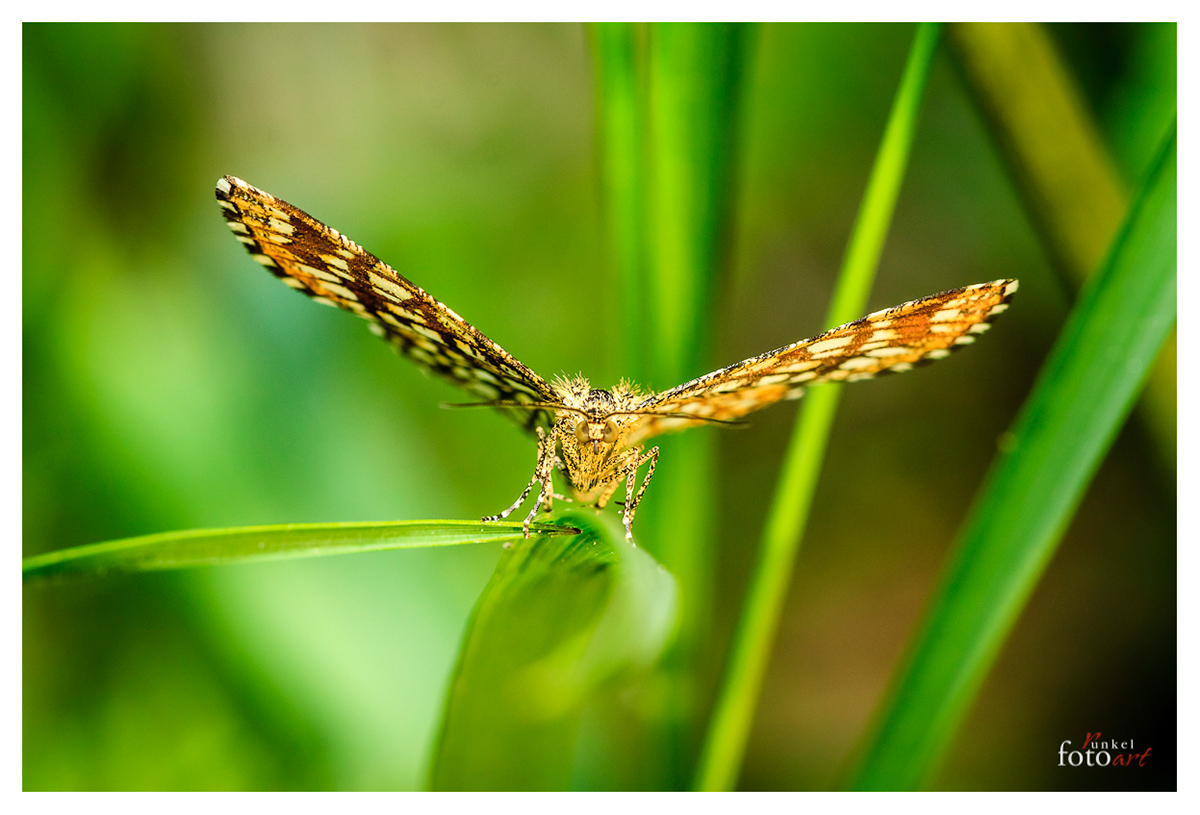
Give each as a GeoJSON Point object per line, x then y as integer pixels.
{"type": "Point", "coordinates": [226, 184]}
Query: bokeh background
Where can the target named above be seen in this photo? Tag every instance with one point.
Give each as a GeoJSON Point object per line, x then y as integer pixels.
{"type": "Point", "coordinates": [169, 383]}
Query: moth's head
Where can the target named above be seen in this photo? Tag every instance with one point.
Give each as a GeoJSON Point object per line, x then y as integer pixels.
{"type": "Point", "coordinates": [597, 431]}
{"type": "Point", "coordinates": [593, 420]}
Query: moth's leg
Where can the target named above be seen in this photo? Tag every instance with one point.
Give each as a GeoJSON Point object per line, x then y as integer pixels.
{"type": "Point", "coordinates": [545, 500]}
{"type": "Point", "coordinates": [570, 456]}
{"type": "Point", "coordinates": [602, 501]}
{"type": "Point", "coordinates": [632, 502]}
{"type": "Point", "coordinates": [548, 462]}
{"type": "Point", "coordinates": [528, 487]}
{"type": "Point", "coordinates": [524, 494]}
{"type": "Point", "coordinates": [566, 474]}
{"type": "Point", "coordinates": [544, 474]}
{"type": "Point", "coordinates": [533, 512]}
{"type": "Point", "coordinates": [541, 475]}
{"type": "Point", "coordinates": [548, 494]}
{"type": "Point", "coordinates": [617, 472]}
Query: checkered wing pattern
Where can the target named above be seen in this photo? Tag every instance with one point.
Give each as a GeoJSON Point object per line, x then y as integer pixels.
{"type": "Point", "coordinates": [332, 269]}
{"type": "Point", "coordinates": [890, 341]}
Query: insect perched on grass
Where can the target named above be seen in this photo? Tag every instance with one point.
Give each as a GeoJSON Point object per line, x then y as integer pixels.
{"type": "Point", "coordinates": [601, 433]}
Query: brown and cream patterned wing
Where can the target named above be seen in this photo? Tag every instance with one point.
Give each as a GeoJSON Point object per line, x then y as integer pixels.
{"type": "Point", "coordinates": [889, 341]}
{"type": "Point", "coordinates": [332, 269]}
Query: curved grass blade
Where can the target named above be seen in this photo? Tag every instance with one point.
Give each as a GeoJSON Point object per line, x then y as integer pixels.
{"type": "Point", "coordinates": [560, 620]}
{"type": "Point", "coordinates": [208, 547]}
{"type": "Point", "coordinates": [1083, 394]}
{"type": "Point", "coordinates": [725, 741]}
{"type": "Point", "coordinates": [1068, 183]}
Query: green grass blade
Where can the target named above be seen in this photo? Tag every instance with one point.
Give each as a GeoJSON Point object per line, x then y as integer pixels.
{"type": "Point", "coordinates": [1061, 166]}
{"type": "Point", "coordinates": [695, 80]}
{"type": "Point", "coordinates": [1056, 156]}
{"type": "Point", "coordinates": [559, 621]}
{"type": "Point", "coordinates": [694, 76]}
{"type": "Point", "coordinates": [1082, 397]}
{"type": "Point", "coordinates": [621, 123]}
{"type": "Point", "coordinates": [208, 547]}
{"type": "Point", "coordinates": [726, 739]}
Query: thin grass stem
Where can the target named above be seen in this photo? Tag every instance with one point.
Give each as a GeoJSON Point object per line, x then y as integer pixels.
{"type": "Point", "coordinates": [725, 743]}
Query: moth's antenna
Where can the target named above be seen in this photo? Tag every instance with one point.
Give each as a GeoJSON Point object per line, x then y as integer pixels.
{"type": "Point", "coordinates": [691, 417]}
{"type": "Point", "coordinates": [508, 403]}
{"type": "Point", "coordinates": [512, 403]}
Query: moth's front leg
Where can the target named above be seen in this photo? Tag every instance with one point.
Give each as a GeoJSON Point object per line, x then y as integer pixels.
{"type": "Point", "coordinates": [542, 474]}
{"type": "Point", "coordinates": [631, 499]}
{"type": "Point", "coordinates": [603, 500]}
{"type": "Point", "coordinates": [541, 434]}
{"type": "Point", "coordinates": [619, 470]}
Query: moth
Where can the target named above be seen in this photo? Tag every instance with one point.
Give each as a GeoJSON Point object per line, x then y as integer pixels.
{"type": "Point", "coordinates": [596, 437]}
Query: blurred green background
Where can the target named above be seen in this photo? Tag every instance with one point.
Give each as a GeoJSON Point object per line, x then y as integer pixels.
{"type": "Point", "coordinates": [170, 383]}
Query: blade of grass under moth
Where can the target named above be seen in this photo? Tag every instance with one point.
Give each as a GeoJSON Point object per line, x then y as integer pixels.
{"type": "Point", "coordinates": [208, 547]}
{"type": "Point", "coordinates": [560, 620]}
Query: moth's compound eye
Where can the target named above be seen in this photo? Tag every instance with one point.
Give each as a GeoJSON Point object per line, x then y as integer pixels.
{"type": "Point", "coordinates": [581, 430]}
{"type": "Point", "coordinates": [610, 432]}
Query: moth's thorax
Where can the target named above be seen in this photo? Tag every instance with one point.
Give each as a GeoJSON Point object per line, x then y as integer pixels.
{"type": "Point", "coordinates": [579, 398]}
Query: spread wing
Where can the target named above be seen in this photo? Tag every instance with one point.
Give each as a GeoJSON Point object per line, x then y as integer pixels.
{"type": "Point", "coordinates": [890, 341]}
{"type": "Point", "coordinates": [332, 269]}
